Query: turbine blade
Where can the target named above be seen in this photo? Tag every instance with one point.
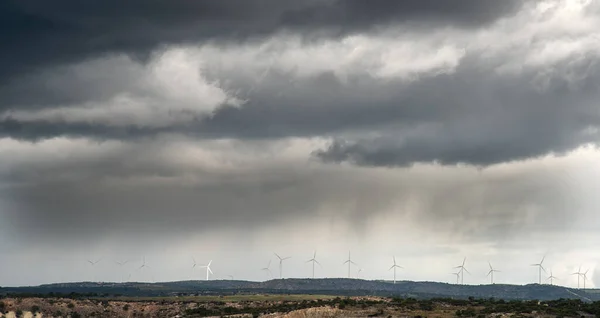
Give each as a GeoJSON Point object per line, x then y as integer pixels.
{"type": "Point", "coordinates": [277, 256]}
{"type": "Point", "coordinates": [464, 260]}
{"type": "Point", "coordinates": [490, 265]}
{"type": "Point", "coordinates": [209, 263]}
{"type": "Point", "coordinates": [210, 270]}
{"type": "Point", "coordinates": [466, 271]}
{"type": "Point", "coordinates": [391, 268]}
{"type": "Point", "coordinates": [543, 258]}
{"type": "Point", "coordinates": [318, 263]}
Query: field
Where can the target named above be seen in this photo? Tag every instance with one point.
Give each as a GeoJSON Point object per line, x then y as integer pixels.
{"type": "Point", "coordinates": [290, 306]}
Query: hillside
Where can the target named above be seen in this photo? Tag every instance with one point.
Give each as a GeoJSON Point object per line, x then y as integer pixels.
{"type": "Point", "coordinates": [332, 286]}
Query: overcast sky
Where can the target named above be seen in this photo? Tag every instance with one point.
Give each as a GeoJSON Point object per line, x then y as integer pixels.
{"type": "Point", "coordinates": [231, 130]}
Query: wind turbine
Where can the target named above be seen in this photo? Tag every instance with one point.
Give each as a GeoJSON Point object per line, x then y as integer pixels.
{"type": "Point", "coordinates": [578, 273]}
{"type": "Point", "coordinates": [93, 263]}
{"type": "Point", "coordinates": [267, 269]}
{"type": "Point", "coordinates": [194, 263]}
{"type": "Point", "coordinates": [314, 260]}
{"type": "Point", "coordinates": [121, 264]}
{"type": "Point", "coordinates": [551, 278]}
{"type": "Point", "coordinates": [457, 274]}
{"type": "Point", "coordinates": [145, 266]}
{"type": "Point", "coordinates": [462, 271]}
{"type": "Point", "coordinates": [358, 273]}
{"type": "Point", "coordinates": [143, 263]}
{"type": "Point", "coordinates": [394, 268]}
{"type": "Point", "coordinates": [491, 272]}
{"type": "Point", "coordinates": [230, 277]}
{"type": "Point", "coordinates": [281, 259]}
{"type": "Point", "coordinates": [207, 266]}
{"type": "Point", "coordinates": [540, 268]}
{"type": "Point", "coordinates": [350, 262]}
{"type": "Point", "coordinates": [584, 275]}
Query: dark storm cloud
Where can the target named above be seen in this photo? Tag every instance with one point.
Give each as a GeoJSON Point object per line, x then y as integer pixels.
{"type": "Point", "coordinates": [469, 116]}
{"type": "Point", "coordinates": [37, 33]}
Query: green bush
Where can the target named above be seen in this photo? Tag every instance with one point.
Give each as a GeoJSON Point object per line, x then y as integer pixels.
{"type": "Point", "coordinates": [35, 309]}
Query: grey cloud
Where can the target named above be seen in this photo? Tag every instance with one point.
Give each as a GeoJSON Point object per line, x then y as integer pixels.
{"type": "Point", "coordinates": [39, 33]}
{"type": "Point", "coordinates": [133, 192]}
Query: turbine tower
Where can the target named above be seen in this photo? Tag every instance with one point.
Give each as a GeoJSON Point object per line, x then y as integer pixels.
{"type": "Point", "coordinates": [281, 259]}
{"type": "Point", "coordinates": [551, 278]}
{"type": "Point", "coordinates": [349, 262]}
{"type": "Point", "coordinates": [207, 266]}
{"type": "Point", "coordinates": [314, 260]}
{"type": "Point", "coordinates": [462, 271]}
{"type": "Point", "coordinates": [540, 269]}
{"type": "Point", "coordinates": [267, 269]}
{"type": "Point", "coordinates": [394, 268]}
{"type": "Point", "coordinates": [491, 272]}
{"type": "Point", "coordinates": [578, 273]}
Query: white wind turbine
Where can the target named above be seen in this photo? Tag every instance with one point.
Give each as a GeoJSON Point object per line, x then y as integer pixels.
{"type": "Point", "coordinates": [578, 273]}
{"type": "Point", "coordinates": [143, 263]}
{"type": "Point", "coordinates": [540, 268]}
{"type": "Point", "coordinates": [491, 272]}
{"type": "Point", "coordinates": [349, 262]}
{"type": "Point", "coordinates": [281, 259]}
{"type": "Point", "coordinates": [358, 273]}
{"type": "Point", "coordinates": [551, 278]}
{"type": "Point", "coordinates": [584, 275]}
{"type": "Point", "coordinates": [394, 268]}
{"type": "Point", "coordinates": [314, 260]}
{"type": "Point", "coordinates": [121, 264]}
{"type": "Point", "coordinates": [457, 274]}
{"type": "Point", "coordinates": [145, 266]}
{"type": "Point", "coordinates": [462, 271]}
{"type": "Point", "coordinates": [207, 266]}
{"type": "Point", "coordinates": [268, 269]}
{"type": "Point", "coordinates": [93, 263]}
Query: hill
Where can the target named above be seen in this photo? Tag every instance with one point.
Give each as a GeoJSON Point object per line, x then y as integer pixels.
{"type": "Point", "coordinates": [330, 286]}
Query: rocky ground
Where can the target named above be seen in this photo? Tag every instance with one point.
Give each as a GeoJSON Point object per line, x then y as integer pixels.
{"type": "Point", "coordinates": [289, 306]}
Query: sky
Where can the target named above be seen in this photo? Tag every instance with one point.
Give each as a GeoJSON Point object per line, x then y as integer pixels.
{"type": "Point", "coordinates": [175, 131]}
